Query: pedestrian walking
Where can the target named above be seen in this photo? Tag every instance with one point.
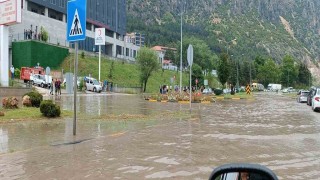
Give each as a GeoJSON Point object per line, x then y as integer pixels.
{"type": "Point", "coordinates": [51, 87]}
{"type": "Point", "coordinates": [56, 86]}
{"type": "Point", "coordinates": [59, 87]}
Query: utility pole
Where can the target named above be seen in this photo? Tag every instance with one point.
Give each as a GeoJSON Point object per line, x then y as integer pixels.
{"type": "Point", "coordinates": [237, 63]}
{"type": "Point", "coordinates": [288, 79]}
{"type": "Point", "coordinates": [181, 13]}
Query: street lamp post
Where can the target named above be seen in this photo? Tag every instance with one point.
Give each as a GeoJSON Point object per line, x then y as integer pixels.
{"type": "Point", "coordinates": [181, 14]}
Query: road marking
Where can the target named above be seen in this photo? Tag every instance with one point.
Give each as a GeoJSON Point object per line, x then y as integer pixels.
{"type": "Point", "coordinates": [183, 102]}
{"type": "Point", "coordinates": [117, 134]}
{"type": "Point", "coordinates": [205, 102]}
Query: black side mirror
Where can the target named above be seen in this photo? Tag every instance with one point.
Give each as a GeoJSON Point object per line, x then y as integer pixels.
{"type": "Point", "coordinates": [242, 171]}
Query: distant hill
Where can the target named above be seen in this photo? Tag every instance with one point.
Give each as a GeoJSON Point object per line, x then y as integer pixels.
{"type": "Point", "coordinates": [271, 28]}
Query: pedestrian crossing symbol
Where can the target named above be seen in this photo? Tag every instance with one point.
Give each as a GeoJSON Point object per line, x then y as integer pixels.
{"type": "Point", "coordinates": [76, 20]}
{"type": "Point", "coordinates": [76, 28]}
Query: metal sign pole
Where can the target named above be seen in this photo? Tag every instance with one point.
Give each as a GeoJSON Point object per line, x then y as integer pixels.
{"type": "Point", "coordinates": [75, 91]}
{"type": "Point", "coordinates": [190, 86]}
{"type": "Point", "coordinates": [99, 61]}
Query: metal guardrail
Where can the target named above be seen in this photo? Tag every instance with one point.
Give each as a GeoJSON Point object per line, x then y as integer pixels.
{"type": "Point", "coordinates": [51, 40]}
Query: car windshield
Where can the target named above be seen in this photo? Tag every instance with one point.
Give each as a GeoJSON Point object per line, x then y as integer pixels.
{"type": "Point", "coordinates": [95, 82]}
{"type": "Point", "coordinates": [304, 93]}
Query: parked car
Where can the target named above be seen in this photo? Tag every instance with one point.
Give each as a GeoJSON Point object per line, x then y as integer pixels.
{"type": "Point", "coordinates": [207, 91]}
{"type": "Point", "coordinates": [92, 85]}
{"type": "Point", "coordinates": [302, 96]}
{"type": "Point", "coordinates": [316, 100]}
{"type": "Point", "coordinates": [285, 90]}
{"type": "Point", "coordinates": [310, 96]}
{"type": "Point", "coordinates": [41, 80]}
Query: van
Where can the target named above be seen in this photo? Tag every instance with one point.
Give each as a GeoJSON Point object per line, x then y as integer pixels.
{"type": "Point", "coordinates": [92, 85]}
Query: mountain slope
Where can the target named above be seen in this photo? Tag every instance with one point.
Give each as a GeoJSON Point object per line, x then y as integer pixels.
{"type": "Point", "coordinates": [262, 27]}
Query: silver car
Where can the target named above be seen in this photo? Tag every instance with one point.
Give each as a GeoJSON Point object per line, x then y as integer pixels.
{"type": "Point", "coordinates": [302, 96]}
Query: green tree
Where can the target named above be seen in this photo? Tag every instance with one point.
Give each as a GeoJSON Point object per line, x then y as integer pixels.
{"type": "Point", "coordinates": [202, 55]}
{"type": "Point", "coordinates": [44, 34]}
{"type": "Point", "coordinates": [268, 73]}
{"type": "Point", "coordinates": [233, 71]}
{"type": "Point", "coordinates": [304, 76]}
{"type": "Point", "coordinates": [289, 71]}
{"type": "Point", "coordinates": [197, 74]}
{"type": "Point", "coordinates": [171, 55]}
{"type": "Point", "coordinates": [223, 69]}
{"type": "Point", "coordinates": [147, 61]}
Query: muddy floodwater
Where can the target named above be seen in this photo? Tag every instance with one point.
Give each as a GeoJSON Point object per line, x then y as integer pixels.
{"type": "Point", "coordinates": [148, 140]}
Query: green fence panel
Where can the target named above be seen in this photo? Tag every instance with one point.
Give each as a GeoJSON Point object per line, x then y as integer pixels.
{"type": "Point", "coordinates": [29, 53]}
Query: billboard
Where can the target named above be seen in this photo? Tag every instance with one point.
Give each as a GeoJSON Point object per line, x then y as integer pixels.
{"type": "Point", "coordinates": [10, 12]}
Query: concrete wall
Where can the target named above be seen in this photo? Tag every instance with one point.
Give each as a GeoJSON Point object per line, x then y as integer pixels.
{"type": "Point", "coordinates": [56, 29]}
{"type": "Point", "coordinates": [10, 91]}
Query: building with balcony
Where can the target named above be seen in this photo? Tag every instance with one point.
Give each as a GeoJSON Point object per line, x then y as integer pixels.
{"type": "Point", "coordinates": [51, 16]}
{"type": "Point", "coordinates": [165, 63]}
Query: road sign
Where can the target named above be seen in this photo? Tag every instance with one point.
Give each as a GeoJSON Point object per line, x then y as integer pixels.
{"type": "Point", "coordinates": [100, 37]}
{"type": "Point", "coordinates": [76, 20]}
{"type": "Point", "coordinates": [48, 70]}
{"type": "Point", "coordinates": [205, 82]}
{"type": "Point", "coordinates": [248, 89]}
{"type": "Point", "coordinates": [190, 55]}
{"type": "Point", "coordinates": [10, 12]}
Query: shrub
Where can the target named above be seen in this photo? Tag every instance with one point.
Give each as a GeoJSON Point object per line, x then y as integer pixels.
{"type": "Point", "coordinates": [35, 98]}
{"type": "Point", "coordinates": [26, 101]}
{"type": "Point", "coordinates": [10, 103]}
{"type": "Point", "coordinates": [81, 84]}
{"type": "Point", "coordinates": [17, 73]}
{"type": "Point", "coordinates": [218, 91]}
{"type": "Point", "coordinates": [49, 109]}
{"type": "Point", "coordinates": [44, 34]}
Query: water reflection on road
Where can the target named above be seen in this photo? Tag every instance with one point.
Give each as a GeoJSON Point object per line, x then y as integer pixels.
{"type": "Point", "coordinates": [272, 130]}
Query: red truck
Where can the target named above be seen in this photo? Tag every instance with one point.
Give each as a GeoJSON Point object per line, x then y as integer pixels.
{"type": "Point", "coordinates": [27, 71]}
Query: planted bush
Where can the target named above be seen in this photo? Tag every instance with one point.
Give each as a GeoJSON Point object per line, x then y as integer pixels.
{"type": "Point", "coordinates": [35, 98]}
{"type": "Point", "coordinates": [26, 101]}
{"type": "Point", "coordinates": [10, 103]}
{"type": "Point", "coordinates": [49, 109]}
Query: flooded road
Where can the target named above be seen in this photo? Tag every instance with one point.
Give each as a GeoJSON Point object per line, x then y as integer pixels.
{"type": "Point", "coordinates": [167, 142]}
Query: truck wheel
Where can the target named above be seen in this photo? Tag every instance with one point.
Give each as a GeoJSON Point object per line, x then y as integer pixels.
{"type": "Point", "coordinates": [42, 85]}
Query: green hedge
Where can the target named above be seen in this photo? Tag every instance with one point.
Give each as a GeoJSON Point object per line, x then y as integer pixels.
{"type": "Point", "coordinates": [29, 53]}
{"type": "Point", "coordinates": [35, 98]}
{"type": "Point", "coordinates": [49, 109]}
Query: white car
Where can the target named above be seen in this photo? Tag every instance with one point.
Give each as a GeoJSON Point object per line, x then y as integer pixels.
{"type": "Point", "coordinates": [316, 100]}
{"type": "Point", "coordinates": [39, 80]}
{"type": "Point", "coordinates": [302, 96]}
{"type": "Point", "coordinates": [207, 91]}
{"type": "Point", "coordinates": [92, 85]}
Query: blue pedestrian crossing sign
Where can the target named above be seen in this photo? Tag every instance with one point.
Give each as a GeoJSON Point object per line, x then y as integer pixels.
{"type": "Point", "coordinates": [76, 20]}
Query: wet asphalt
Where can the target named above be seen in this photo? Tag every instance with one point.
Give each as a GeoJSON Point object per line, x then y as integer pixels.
{"type": "Point", "coordinates": [126, 137]}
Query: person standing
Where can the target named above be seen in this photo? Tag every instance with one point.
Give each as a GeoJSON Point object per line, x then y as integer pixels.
{"type": "Point", "coordinates": [12, 72]}
{"type": "Point", "coordinates": [51, 87]}
{"type": "Point", "coordinates": [56, 86]}
{"type": "Point", "coordinates": [59, 86]}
